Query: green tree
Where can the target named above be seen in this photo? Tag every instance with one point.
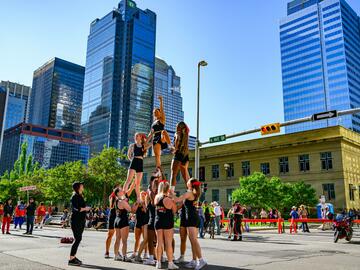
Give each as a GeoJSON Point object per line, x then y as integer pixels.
{"type": "Point", "coordinates": [107, 170]}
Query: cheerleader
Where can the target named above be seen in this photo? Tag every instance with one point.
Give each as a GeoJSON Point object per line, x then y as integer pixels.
{"type": "Point", "coordinates": [161, 138]}
{"type": "Point", "coordinates": [180, 160]}
{"type": "Point", "coordinates": [164, 224]}
{"type": "Point", "coordinates": [121, 225]}
{"type": "Point", "coordinates": [190, 199]}
{"type": "Point", "coordinates": [136, 153]}
{"type": "Point", "coordinates": [141, 226]}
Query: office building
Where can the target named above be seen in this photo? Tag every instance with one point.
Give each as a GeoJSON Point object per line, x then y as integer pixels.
{"type": "Point", "coordinates": [320, 56]}
{"type": "Point", "coordinates": [50, 147]}
{"type": "Point", "coordinates": [56, 95]}
{"type": "Point", "coordinates": [119, 76]}
{"type": "Point", "coordinates": [327, 159]}
{"type": "Point", "coordinates": [167, 85]}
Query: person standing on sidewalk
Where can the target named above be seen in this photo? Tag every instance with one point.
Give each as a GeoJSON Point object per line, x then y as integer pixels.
{"type": "Point", "coordinates": [303, 215]}
{"type": "Point", "coordinates": [1, 212]}
{"type": "Point", "coordinates": [217, 212]}
{"type": "Point", "coordinates": [8, 213]}
{"type": "Point", "coordinates": [30, 215]}
{"type": "Point", "coordinates": [41, 214]}
{"type": "Point", "coordinates": [19, 215]}
{"type": "Point", "coordinates": [202, 219]}
{"type": "Point", "coordinates": [78, 217]}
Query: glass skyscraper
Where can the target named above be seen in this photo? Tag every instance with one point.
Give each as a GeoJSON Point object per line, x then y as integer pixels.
{"type": "Point", "coordinates": [50, 147]}
{"type": "Point", "coordinates": [320, 56]}
{"type": "Point", "coordinates": [56, 95]}
{"type": "Point", "coordinates": [119, 76]}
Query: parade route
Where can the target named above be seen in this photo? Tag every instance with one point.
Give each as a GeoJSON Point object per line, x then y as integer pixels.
{"type": "Point", "coordinates": [259, 250]}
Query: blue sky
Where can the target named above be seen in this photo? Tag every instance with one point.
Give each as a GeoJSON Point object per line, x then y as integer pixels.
{"type": "Point", "coordinates": [241, 87]}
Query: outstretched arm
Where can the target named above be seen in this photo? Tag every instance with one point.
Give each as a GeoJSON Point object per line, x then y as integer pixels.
{"type": "Point", "coordinates": [162, 112]}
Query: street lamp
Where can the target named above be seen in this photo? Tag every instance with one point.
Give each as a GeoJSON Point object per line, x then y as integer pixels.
{"type": "Point", "coordinates": [197, 143]}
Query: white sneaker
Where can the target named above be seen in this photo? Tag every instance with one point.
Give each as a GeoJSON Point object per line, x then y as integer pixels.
{"type": "Point", "coordinates": [133, 256]}
{"type": "Point", "coordinates": [118, 258]}
{"type": "Point", "coordinates": [180, 260]}
{"type": "Point", "coordinates": [146, 256]}
{"type": "Point", "coordinates": [158, 265]}
{"type": "Point", "coordinates": [172, 266]}
{"type": "Point", "coordinates": [149, 262]}
{"type": "Point", "coordinates": [200, 264]}
{"type": "Point", "coordinates": [191, 264]}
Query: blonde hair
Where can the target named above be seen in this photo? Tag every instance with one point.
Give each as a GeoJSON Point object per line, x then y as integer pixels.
{"type": "Point", "coordinates": [143, 141]}
{"type": "Point", "coordinates": [183, 138]}
{"type": "Point", "coordinates": [163, 188]}
{"type": "Point", "coordinates": [196, 189]}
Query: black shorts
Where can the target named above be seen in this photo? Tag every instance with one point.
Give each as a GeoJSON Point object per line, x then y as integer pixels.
{"type": "Point", "coordinates": [112, 218]}
{"type": "Point", "coordinates": [121, 223]}
{"type": "Point", "coordinates": [157, 140]}
{"type": "Point", "coordinates": [137, 165]}
{"type": "Point", "coordinates": [192, 222]}
{"type": "Point", "coordinates": [181, 158]}
{"type": "Point", "coordinates": [164, 224]}
{"type": "Point", "coordinates": [183, 222]}
{"type": "Point", "coordinates": [151, 225]}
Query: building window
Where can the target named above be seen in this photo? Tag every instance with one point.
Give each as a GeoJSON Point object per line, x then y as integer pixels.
{"type": "Point", "coordinates": [202, 173]}
{"type": "Point", "coordinates": [215, 172]}
{"type": "Point", "coordinates": [304, 163]}
{"type": "Point", "coordinates": [190, 172]}
{"type": "Point", "coordinates": [329, 191]}
{"type": "Point", "coordinates": [215, 195]}
{"type": "Point", "coordinates": [265, 168]}
{"type": "Point", "coordinates": [145, 180]}
{"type": "Point", "coordinates": [230, 170]}
{"type": "Point", "coordinates": [326, 161]}
{"type": "Point", "coordinates": [284, 164]}
{"type": "Point", "coordinates": [351, 192]}
{"type": "Point", "coordinates": [229, 194]}
{"type": "Point", "coordinates": [245, 165]}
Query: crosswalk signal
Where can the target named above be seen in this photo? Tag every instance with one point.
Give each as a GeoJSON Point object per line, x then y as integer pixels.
{"type": "Point", "coordinates": [270, 128]}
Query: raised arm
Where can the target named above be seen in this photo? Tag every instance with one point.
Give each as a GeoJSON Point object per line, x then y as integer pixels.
{"type": "Point", "coordinates": [162, 112]}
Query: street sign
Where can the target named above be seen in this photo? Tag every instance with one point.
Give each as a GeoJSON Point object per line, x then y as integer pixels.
{"type": "Point", "coordinates": [27, 188]}
{"type": "Point", "coordinates": [324, 115]}
{"type": "Point", "coordinates": [216, 139]}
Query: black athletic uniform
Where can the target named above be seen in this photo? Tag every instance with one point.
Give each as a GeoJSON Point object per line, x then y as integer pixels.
{"type": "Point", "coordinates": [137, 163]}
{"type": "Point", "coordinates": [77, 220]}
{"type": "Point", "coordinates": [122, 219]}
{"type": "Point", "coordinates": [164, 218]}
{"type": "Point", "coordinates": [142, 218]}
{"type": "Point", "coordinates": [191, 214]}
{"type": "Point", "coordinates": [237, 223]}
{"type": "Point", "coordinates": [158, 127]}
{"type": "Point", "coordinates": [182, 215]}
{"type": "Point", "coordinates": [151, 211]}
{"type": "Point", "coordinates": [181, 157]}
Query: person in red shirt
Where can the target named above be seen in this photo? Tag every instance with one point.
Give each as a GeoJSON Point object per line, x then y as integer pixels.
{"type": "Point", "coordinates": [40, 213]}
{"type": "Point", "coordinates": [19, 215]}
{"type": "Point", "coordinates": [1, 211]}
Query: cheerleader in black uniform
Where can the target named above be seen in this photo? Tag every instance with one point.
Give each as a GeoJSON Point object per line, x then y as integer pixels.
{"type": "Point", "coordinates": [142, 219]}
{"type": "Point", "coordinates": [190, 199]}
{"type": "Point", "coordinates": [136, 153]}
{"type": "Point", "coordinates": [164, 224]}
{"type": "Point", "coordinates": [121, 225]}
{"type": "Point", "coordinates": [161, 138]}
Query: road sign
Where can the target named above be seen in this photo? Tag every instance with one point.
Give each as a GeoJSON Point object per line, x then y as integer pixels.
{"type": "Point", "coordinates": [324, 115]}
{"type": "Point", "coordinates": [27, 188]}
{"type": "Point", "coordinates": [216, 139]}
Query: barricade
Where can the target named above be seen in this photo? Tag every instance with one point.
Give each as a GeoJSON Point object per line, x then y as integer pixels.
{"type": "Point", "coordinates": [279, 222]}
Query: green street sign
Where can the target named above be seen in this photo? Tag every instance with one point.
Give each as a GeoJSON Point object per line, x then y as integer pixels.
{"type": "Point", "coordinates": [217, 139]}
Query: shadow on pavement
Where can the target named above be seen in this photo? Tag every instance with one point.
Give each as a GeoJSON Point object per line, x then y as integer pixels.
{"type": "Point", "coordinates": [181, 267]}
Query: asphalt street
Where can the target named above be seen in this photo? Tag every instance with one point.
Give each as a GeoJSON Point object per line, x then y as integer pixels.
{"type": "Point", "coordinates": [259, 250]}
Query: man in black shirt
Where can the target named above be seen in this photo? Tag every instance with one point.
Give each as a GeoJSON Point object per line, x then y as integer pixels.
{"type": "Point", "coordinates": [8, 213]}
{"type": "Point", "coordinates": [30, 216]}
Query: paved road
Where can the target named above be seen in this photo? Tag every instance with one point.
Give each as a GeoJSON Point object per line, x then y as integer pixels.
{"type": "Point", "coordinates": [259, 250]}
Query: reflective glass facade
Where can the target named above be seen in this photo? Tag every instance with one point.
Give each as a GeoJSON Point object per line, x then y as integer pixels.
{"type": "Point", "coordinates": [320, 55]}
{"type": "Point", "coordinates": [49, 147]}
{"type": "Point", "coordinates": [119, 76]}
{"type": "Point", "coordinates": [57, 94]}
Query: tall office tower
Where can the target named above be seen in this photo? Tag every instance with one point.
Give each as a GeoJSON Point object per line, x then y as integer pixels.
{"type": "Point", "coordinates": [56, 95]}
{"type": "Point", "coordinates": [14, 99]}
{"type": "Point", "coordinates": [320, 55]}
{"type": "Point", "coordinates": [119, 76]}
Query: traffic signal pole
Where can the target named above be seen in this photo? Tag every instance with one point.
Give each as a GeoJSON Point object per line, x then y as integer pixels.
{"type": "Point", "coordinates": [315, 117]}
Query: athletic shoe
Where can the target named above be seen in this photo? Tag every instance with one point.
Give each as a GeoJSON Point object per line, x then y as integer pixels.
{"type": "Point", "coordinates": [138, 259]}
{"type": "Point", "coordinates": [80, 262]}
{"type": "Point", "coordinates": [8, 233]}
{"type": "Point", "coordinates": [149, 262]}
{"type": "Point", "coordinates": [133, 256]}
{"type": "Point", "coordinates": [180, 260]}
{"type": "Point", "coordinates": [191, 264]}
{"type": "Point", "coordinates": [74, 262]}
{"type": "Point", "coordinates": [118, 258]}
{"type": "Point", "coordinates": [126, 259]}
{"type": "Point", "coordinates": [202, 263]}
{"type": "Point", "coordinates": [171, 266]}
{"type": "Point", "coordinates": [146, 256]}
{"type": "Point", "coordinates": [107, 256]}
{"type": "Point", "coordinates": [158, 265]}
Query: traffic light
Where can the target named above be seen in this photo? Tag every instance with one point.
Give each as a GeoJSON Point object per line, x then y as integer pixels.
{"type": "Point", "coordinates": [270, 128]}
